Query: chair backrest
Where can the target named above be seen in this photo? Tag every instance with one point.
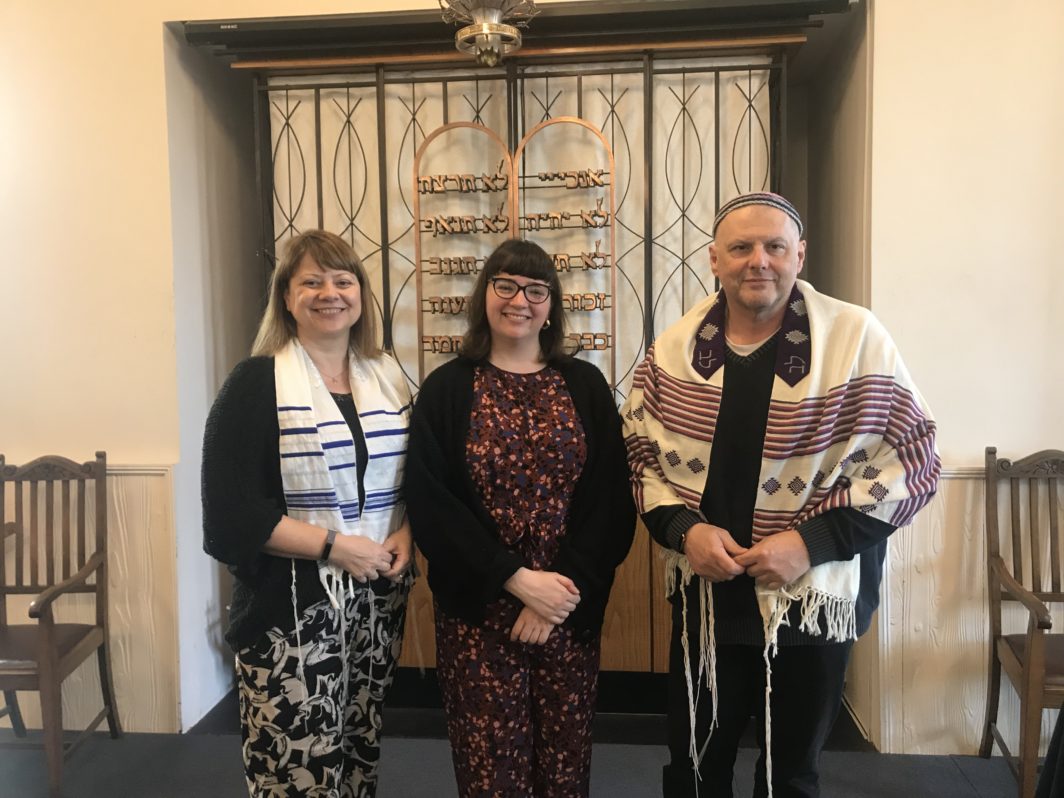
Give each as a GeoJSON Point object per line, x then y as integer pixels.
{"type": "Point", "coordinates": [53, 513]}
{"type": "Point", "coordinates": [1025, 532]}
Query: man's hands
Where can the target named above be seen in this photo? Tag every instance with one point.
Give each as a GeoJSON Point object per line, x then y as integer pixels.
{"type": "Point", "coordinates": [550, 595]}
{"type": "Point", "coordinates": [711, 552]}
{"type": "Point", "coordinates": [776, 560]}
{"type": "Point", "coordinates": [773, 561]}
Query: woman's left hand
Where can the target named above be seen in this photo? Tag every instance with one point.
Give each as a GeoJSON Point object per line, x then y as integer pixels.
{"type": "Point", "coordinates": [401, 545]}
{"type": "Point", "coordinates": [531, 627]}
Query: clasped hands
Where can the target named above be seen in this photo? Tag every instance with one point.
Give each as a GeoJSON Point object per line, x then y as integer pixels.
{"type": "Point", "coordinates": [367, 560]}
{"type": "Point", "coordinates": [773, 561]}
{"type": "Point", "coordinates": [548, 598]}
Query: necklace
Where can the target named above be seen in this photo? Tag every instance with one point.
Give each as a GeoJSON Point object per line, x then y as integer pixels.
{"type": "Point", "coordinates": [324, 373]}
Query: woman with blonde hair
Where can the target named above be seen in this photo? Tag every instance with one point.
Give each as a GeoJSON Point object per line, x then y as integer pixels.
{"type": "Point", "coordinates": [303, 460]}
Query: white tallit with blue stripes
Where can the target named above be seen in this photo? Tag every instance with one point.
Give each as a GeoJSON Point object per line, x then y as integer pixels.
{"type": "Point", "coordinates": [318, 469]}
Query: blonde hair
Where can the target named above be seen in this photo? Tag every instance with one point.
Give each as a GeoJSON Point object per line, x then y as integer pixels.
{"type": "Point", "coordinates": [329, 251]}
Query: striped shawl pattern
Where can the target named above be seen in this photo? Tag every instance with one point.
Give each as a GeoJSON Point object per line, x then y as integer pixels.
{"type": "Point", "coordinates": [846, 427]}
{"type": "Point", "coordinates": [318, 468]}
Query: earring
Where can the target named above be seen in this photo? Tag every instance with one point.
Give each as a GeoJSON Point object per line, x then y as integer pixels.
{"type": "Point", "coordinates": [546, 324]}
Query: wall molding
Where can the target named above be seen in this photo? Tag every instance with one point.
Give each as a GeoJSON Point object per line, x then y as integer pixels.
{"type": "Point", "coordinates": [962, 472]}
{"type": "Point", "coordinates": [139, 470]}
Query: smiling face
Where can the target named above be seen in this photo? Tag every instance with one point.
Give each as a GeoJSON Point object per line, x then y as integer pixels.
{"type": "Point", "coordinates": [757, 257]}
{"type": "Point", "coordinates": [516, 318]}
{"type": "Point", "coordinates": [325, 303]}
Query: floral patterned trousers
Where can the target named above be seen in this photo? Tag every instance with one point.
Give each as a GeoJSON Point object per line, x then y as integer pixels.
{"type": "Point", "coordinates": [518, 715]}
{"type": "Point", "coordinates": [314, 731]}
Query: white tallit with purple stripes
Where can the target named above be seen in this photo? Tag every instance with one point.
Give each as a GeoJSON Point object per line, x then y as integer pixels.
{"type": "Point", "coordinates": [846, 428]}
{"type": "Point", "coordinates": [318, 469]}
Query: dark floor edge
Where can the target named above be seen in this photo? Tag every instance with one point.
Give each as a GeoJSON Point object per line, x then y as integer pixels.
{"type": "Point", "coordinates": [628, 712]}
{"type": "Point", "coordinates": [859, 737]}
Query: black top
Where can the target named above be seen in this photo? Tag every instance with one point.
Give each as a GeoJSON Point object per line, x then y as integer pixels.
{"type": "Point", "coordinates": [468, 564]}
{"type": "Point", "coordinates": [346, 403]}
{"type": "Point", "coordinates": [243, 500]}
{"type": "Point", "coordinates": [728, 502]}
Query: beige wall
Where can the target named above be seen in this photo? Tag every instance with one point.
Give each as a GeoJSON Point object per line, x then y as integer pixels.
{"type": "Point", "coordinates": [967, 212]}
{"type": "Point", "coordinates": [86, 184]}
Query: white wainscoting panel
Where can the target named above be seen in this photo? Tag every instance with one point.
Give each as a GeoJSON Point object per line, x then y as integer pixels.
{"type": "Point", "coordinates": [143, 614]}
{"type": "Point", "coordinates": [918, 679]}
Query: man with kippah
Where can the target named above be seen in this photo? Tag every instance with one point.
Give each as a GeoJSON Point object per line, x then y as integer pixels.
{"type": "Point", "coordinates": [776, 440]}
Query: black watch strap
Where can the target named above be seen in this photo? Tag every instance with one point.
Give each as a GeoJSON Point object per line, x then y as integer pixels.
{"type": "Point", "coordinates": [330, 538]}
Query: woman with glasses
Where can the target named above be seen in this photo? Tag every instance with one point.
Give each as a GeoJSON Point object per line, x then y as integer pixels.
{"type": "Point", "coordinates": [520, 502]}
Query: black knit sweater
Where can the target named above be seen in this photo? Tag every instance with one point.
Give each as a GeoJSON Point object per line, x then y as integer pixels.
{"type": "Point", "coordinates": [468, 564]}
{"type": "Point", "coordinates": [728, 502]}
{"type": "Point", "coordinates": [243, 500]}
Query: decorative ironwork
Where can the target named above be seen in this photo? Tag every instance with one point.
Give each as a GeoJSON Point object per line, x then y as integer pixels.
{"type": "Point", "coordinates": [349, 143]}
{"type": "Point", "coordinates": [286, 146]}
{"type": "Point", "coordinates": [685, 136]}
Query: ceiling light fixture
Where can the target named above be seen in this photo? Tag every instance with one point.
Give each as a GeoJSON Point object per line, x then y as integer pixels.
{"type": "Point", "coordinates": [488, 37]}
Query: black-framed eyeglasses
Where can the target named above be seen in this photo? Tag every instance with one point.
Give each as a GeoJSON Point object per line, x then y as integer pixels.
{"type": "Point", "coordinates": [505, 288]}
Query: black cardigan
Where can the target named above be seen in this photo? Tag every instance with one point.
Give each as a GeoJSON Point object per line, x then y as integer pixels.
{"type": "Point", "coordinates": [243, 500]}
{"type": "Point", "coordinates": [468, 564]}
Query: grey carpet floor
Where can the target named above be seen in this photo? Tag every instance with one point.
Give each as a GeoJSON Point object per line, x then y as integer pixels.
{"type": "Point", "coordinates": [208, 766]}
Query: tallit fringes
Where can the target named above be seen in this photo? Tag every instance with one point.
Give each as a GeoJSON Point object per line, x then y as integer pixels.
{"type": "Point", "coordinates": [685, 644]}
{"type": "Point", "coordinates": [678, 575]}
{"type": "Point", "coordinates": [777, 617]}
{"type": "Point", "coordinates": [840, 615]}
{"type": "Point", "coordinates": [768, 718]}
{"type": "Point", "coordinates": [299, 641]}
{"type": "Point", "coordinates": [781, 605]}
{"type": "Point", "coordinates": [678, 572]}
{"type": "Point", "coordinates": [331, 577]}
{"type": "Point", "coordinates": [708, 644]}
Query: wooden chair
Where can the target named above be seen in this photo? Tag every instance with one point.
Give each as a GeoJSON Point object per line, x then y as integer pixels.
{"type": "Point", "coordinates": [54, 516]}
{"type": "Point", "coordinates": [1033, 661]}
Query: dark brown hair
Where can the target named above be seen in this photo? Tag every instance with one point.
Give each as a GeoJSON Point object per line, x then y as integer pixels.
{"type": "Point", "coordinates": [523, 259]}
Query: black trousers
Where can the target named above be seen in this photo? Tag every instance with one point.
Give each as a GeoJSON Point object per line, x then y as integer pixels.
{"type": "Point", "coordinates": [1051, 779]}
{"type": "Point", "coordinates": [807, 685]}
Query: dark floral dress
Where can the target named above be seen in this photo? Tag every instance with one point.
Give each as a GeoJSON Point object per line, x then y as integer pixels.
{"type": "Point", "coordinates": [519, 714]}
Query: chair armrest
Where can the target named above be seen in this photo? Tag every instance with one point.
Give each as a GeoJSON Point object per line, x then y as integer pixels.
{"type": "Point", "coordinates": [43, 602]}
{"type": "Point", "coordinates": [1028, 599]}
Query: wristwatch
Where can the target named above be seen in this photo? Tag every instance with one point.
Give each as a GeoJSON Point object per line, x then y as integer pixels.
{"type": "Point", "coordinates": [330, 538]}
